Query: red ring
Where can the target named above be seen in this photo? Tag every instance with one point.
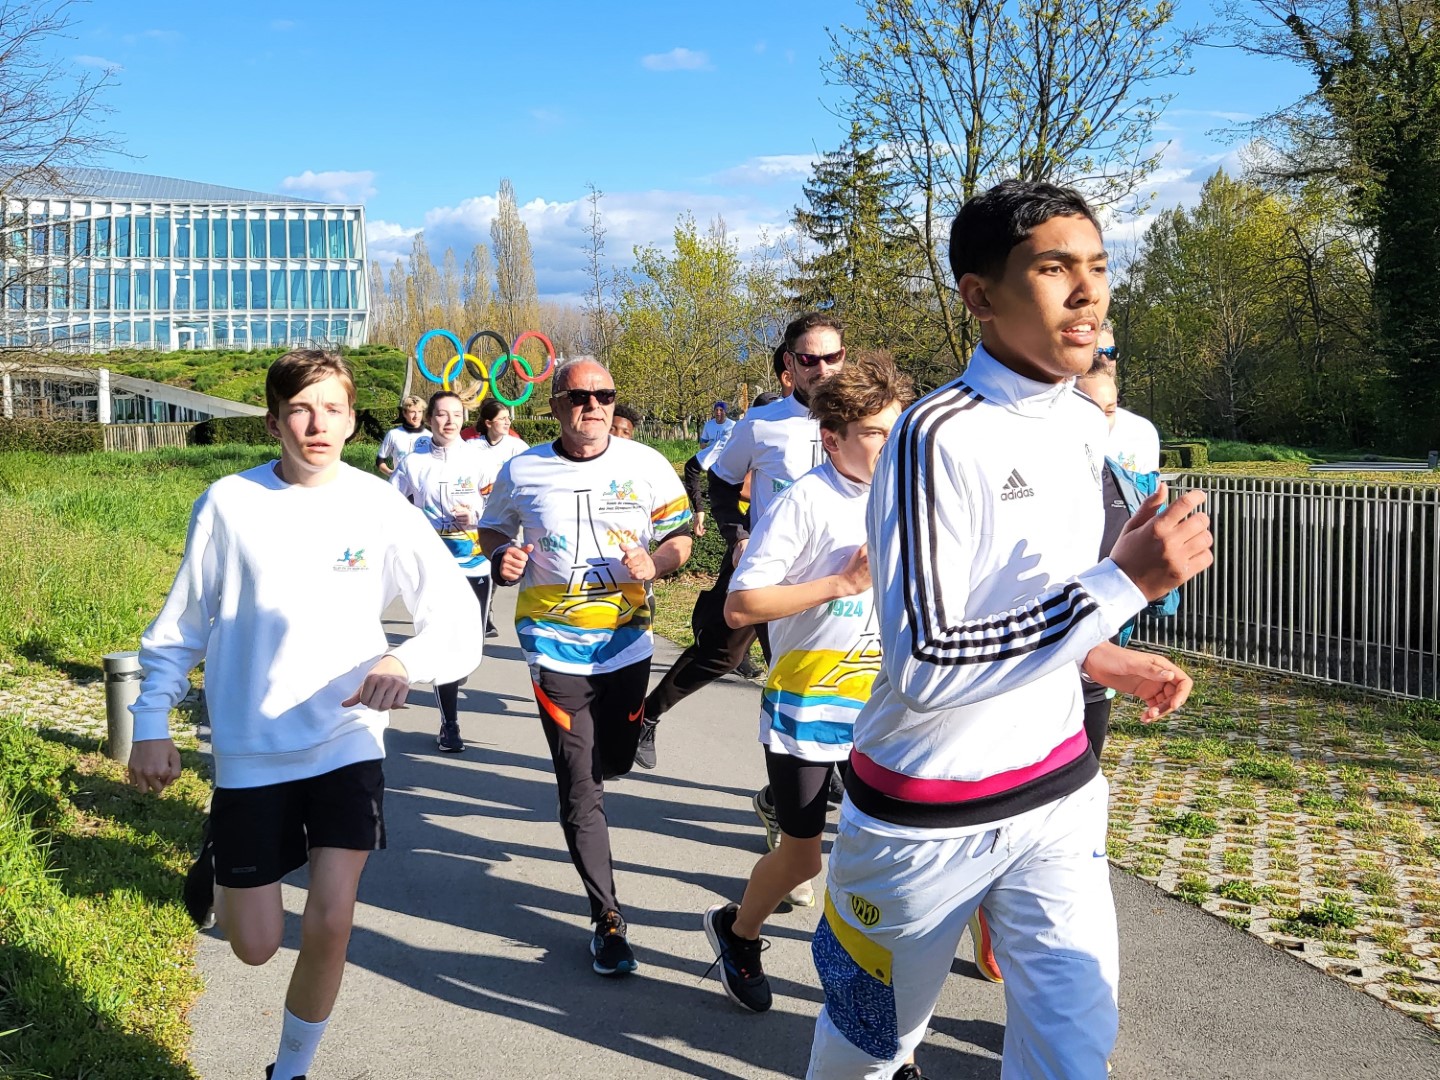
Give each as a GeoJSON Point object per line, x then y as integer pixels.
{"type": "Point", "coordinates": [544, 372]}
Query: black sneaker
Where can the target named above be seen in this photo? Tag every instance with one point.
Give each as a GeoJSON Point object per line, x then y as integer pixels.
{"type": "Point", "coordinates": [836, 794]}
{"type": "Point", "coordinates": [270, 1069]}
{"type": "Point", "coordinates": [748, 669]}
{"type": "Point", "coordinates": [645, 748]}
{"type": "Point", "coordinates": [908, 1071]}
{"type": "Point", "coordinates": [610, 948]}
{"type": "Point", "coordinates": [490, 631]}
{"type": "Point", "coordinates": [765, 811]}
{"type": "Point", "coordinates": [449, 739]}
{"type": "Point", "coordinates": [739, 959]}
{"type": "Point", "coordinates": [199, 891]}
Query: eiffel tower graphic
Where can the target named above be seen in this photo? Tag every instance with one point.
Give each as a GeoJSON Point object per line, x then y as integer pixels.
{"type": "Point", "coordinates": [862, 659]}
{"type": "Point", "coordinates": [592, 581]}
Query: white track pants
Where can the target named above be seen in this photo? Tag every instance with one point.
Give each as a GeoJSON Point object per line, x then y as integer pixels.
{"type": "Point", "coordinates": [895, 910]}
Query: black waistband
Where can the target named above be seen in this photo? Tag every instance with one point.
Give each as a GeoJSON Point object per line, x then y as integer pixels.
{"type": "Point", "coordinates": [1066, 780]}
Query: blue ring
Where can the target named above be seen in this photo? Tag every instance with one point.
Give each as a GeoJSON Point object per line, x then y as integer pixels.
{"type": "Point", "coordinates": [420, 351]}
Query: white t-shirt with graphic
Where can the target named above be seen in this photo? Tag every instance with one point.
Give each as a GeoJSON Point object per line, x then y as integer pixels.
{"type": "Point", "coordinates": [825, 658]}
{"type": "Point", "coordinates": [441, 479]}
{"type": "Point", "coordinates": [399, 443]}
{"type": "Point", "coordinates": [779, 443]}
{"type": "Point", "coordinates": [1134, 442]}
{"type": "Point", "coordinates": [508, 447]}
{"type": "Point", "coordinates": [579, 610]}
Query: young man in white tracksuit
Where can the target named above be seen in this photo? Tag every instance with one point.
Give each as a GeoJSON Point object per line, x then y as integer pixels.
{"type": "Point", "coordinates": [288, 569]}
{"type": "Point", "coordinates": [971, 778]}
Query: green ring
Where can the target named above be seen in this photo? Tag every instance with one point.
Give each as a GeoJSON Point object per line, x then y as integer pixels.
{"type": "Point", "coordinates": [495, 369]}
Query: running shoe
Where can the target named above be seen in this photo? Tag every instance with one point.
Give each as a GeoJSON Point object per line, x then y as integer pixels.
{"type": "Point", "coordinates": [836, 794]}
{"type": "Point", "coordinates": [803, 895]}
{"type": "Point", "coordinates": [490, 631]}
{"type": "Point", "coordinates": [610, 947]}
{"type": "Point", "coordinates": [748, 669]}
{"type": "Point", "coordinates": [765, 811]}
{"type": "Point", "coordinates": [738, 958]}
{"type": "Point", "coordinates": [908, 1071]}
{"type": "Point", "coordinates": [645, 748]}
{"type": "Point", "coordinates": [270, 1071]}
{"type": "Point", "coordinates": [199, 891]}
{"type": "Point", "coordinates": [449, 739]}
{"type": "Point", "coordinates": [984, 949]}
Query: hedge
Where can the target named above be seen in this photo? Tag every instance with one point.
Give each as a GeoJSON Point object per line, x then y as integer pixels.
{"type": "Point", "coordinates": [251, 431]}
{"type": "Point", "coordinates": [52, 436]}
{"type": "Point", "coordinates": [540, 429]}
{"type": "Point", "coordinates": [1190, 456]}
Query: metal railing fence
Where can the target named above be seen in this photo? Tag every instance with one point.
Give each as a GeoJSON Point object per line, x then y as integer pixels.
{"type": "Point", "coordinates": [1331, 581]}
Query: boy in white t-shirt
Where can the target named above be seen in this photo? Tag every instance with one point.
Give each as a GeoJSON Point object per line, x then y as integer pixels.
{"type": "Point", "coordinates": [401, 441]}
{"type": "Point", "coordinates": [288, 568]}
{"type": "Point", "coordinates": [806, 573]}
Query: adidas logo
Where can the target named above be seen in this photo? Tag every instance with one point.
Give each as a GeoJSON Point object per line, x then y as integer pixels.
{"type": "Point", "coordinates": [1016, 488]}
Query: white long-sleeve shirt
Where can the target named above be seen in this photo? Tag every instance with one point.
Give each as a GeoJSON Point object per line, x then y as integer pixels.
{"type": "Point", "coordinates": [984, 520]}
{"type": "Point", "coordinates": [281, 592]}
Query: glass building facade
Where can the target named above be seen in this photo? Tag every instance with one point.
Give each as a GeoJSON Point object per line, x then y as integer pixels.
{"type": "Point", "coordinates": [122, 260]}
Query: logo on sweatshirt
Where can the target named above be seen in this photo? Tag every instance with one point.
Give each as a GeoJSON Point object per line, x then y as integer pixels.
{"type": "Point", "coordinates": [351, 560]}
{"type": "Point", "coordinates": [1016, 488]}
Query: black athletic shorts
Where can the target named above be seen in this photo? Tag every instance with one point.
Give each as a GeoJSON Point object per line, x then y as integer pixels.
{"type": "Point", "coordinates": [260, 834]}
{"type": "Point", "coordinates": [798, 790]}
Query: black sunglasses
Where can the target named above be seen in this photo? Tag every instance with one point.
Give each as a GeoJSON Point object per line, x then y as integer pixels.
{"type": "Point", "coordinates": [582, 397]}
{"type": "Point", "coordinates": [1109, 352]}
{"type": "Point", "coordinates": [812, 359]}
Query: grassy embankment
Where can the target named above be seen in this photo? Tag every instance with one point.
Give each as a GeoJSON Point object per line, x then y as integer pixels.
{"type": "Point", "coordinates": [96, 970]}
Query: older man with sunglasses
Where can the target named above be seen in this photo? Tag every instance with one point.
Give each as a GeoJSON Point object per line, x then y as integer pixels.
{"type": "Point", "coordinates": [572, 523]}
{"type": "Point", "coordinates": [1134, 442]}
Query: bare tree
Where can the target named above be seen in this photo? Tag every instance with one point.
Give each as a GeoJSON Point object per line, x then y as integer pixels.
{"type": "Point", "coordinates": [49, 124]}
{"type": "Point", "coordinates": [517, 300]}
{"type": "Point", "coordinates": [599, 306]}
{"type": "Point", "coordinates": [964, 93]}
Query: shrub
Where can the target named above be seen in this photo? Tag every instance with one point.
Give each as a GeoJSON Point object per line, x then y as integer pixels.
{"type": "Point", "coordinates": [51, 436]}
{"type": "Point", "coordinates": [1184, 455]}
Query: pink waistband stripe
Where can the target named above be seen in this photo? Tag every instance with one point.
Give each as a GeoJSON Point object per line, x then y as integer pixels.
{"type": "Point", "coordinates": [918, 790]}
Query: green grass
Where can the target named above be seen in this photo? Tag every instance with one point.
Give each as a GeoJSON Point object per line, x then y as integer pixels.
{"type": "Point", "coordinates": [95, 948]}
{"type": "Point", "coordinates": [92, 542]}
{"type": "Point", "coordinates": [1228, 450]}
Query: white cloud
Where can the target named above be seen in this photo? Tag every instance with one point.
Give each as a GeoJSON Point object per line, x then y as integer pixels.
{"type": "Point", "coordinates": [166, 36]}
{"type": "Point", "coordinates": [98, 62]}
{"type": "Point", "coordinates": [557, 230]}
{"type": "Point", "coordinates": [769, 169]}
{"type": "Point", "coordinates": [333, 186]}
{"type": "Point", "coordinates": [677, 59]}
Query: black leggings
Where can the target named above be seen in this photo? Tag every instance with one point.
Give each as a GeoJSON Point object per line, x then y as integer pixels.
{"type": "Point", "coordinates": [448, 693]}
{"type": "Point", "coordinates": [592, 725]}
{"type": "Point", "coordinates": [1097, 724]}
{"type": "Point", "coordinates": [718, 650]}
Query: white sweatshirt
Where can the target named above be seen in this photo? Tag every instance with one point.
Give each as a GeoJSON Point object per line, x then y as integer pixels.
{"type": "Point", "coordinates": [985, 517]}
{"type": "Point", "coordinates": [281, 592]}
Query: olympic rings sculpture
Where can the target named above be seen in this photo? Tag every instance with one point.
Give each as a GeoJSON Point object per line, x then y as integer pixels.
{"type": "Point", "coordinates": [485, 377]}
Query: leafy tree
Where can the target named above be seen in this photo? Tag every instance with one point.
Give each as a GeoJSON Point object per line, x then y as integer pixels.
{"type": "Point", "coordinates": [965, 93]}
{"type": "Point", "coordinates": [688, 324]}
{"type": "Point", "coordinates": [1373, 125]}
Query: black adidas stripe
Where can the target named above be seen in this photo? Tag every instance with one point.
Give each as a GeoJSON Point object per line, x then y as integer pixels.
{"type": "Point", "coordinates": [933, 637]}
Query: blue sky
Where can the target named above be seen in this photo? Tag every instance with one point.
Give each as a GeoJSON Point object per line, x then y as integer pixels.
{"type": "Point", "coordinates": [419, 109]}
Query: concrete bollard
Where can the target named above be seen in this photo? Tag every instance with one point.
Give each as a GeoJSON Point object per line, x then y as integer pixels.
{"type": "Point", "coordinates": [122, 686]}
{"type": "Point", "coordinates": [1435, 459]}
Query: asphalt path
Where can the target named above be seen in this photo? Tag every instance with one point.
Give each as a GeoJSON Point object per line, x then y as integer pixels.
{"type": "Point", "coordinates": [470, 953]}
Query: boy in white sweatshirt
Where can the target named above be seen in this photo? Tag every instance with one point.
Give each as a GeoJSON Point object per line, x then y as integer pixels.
{"type": "Point", "coordinates": [287, 570]}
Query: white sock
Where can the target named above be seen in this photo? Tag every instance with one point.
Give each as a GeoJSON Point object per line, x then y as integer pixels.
{"type": "Point", "coordinates": [298, 1043]}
